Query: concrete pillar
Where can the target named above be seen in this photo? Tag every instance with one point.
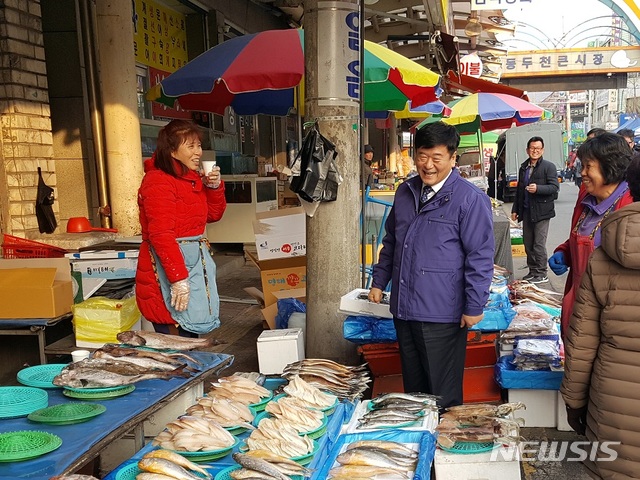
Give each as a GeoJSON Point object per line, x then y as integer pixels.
{"type": "Point", "coordinates": [332, 97]}
{"type": "Point", "coordinates": [120, 111]}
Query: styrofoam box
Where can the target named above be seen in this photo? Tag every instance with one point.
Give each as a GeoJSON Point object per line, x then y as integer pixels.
{"type": "Point", "coordinates": [278, 348]}
{"type": "Point", "coordinates": [505, 349]}
{"type": "Point", "coordinates": [351, 304]}
{"type": "Point", "coordinates": [498, 464]}
{"type": "Point", "coordinates": [157, 422]}
{"type": "Point", "coordinates": [561, 413]}
{"type": "Point", "coordinates": [542, 406]}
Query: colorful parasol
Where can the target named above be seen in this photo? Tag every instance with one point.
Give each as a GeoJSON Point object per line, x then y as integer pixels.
{"type": "Point", "coordinates": [489, 111]}
{"type": "Point", "coordinates": [258, 73]}
{"type": "Point", "coordinates": [436, 107]}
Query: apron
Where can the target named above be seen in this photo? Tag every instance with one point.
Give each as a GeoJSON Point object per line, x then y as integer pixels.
{"type": "Point", "coordinates": [203, 310]}
{"type": "Point", "coordinates": [580, 247]}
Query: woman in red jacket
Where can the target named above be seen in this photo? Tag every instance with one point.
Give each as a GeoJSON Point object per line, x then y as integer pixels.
{"type": "Point", "coordinates": [604, 164]}
{"type": "Point", "coordinates": [176, 276]}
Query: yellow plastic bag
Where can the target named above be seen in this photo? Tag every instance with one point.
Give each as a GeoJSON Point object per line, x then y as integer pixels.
{"type": "Point", "coordinates": [98, 320]}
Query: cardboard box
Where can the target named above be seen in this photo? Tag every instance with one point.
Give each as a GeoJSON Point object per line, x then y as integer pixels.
{"type": "Point", "coordinates": [35, 288]}
{"type": "Point", "coordinates": [107, 268]}
{"type": "Point", "coordinates": [518, 251]}
{"type": "Point", "coordinates": [280, 274]}
{"type": "Point", "coordinates": [278, 348]}
{"type": "Point", "coordinates": [497, 464]}
{"type": "Point", "coordinates": [269, 313]}
{"type": "Point", "coordinates": [280, 233]}
{"type": "Point", "coordinates": [351, 304]}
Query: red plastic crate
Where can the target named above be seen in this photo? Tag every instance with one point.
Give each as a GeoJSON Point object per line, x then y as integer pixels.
{"type": "Point", "coordinates": [383, 358]}
{"type": "Point", "coordinates": [16, 247]}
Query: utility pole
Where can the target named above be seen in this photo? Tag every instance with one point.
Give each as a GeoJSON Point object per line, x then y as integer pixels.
{"type": "Point", "coordinates": [332, 91]}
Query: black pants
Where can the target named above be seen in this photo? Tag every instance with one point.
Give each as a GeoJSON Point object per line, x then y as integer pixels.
{"type": "Point", "coordinates": [432, 357]}
{"type": "Point", "coordinates": [534, 237]}
{"type": "Point", "coordinates": [171, 330]}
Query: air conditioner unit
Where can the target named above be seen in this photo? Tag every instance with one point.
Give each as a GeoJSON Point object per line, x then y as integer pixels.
{"type": "Point", "coordinates": [229, 121]}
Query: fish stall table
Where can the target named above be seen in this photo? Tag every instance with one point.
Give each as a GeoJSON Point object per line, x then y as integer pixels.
{"type": "Point", "coordinates": [341, 415]}
{"type": "Point", "coordinates": [82, 442]}
{"type": "Point", "coordinates": [31, 326]}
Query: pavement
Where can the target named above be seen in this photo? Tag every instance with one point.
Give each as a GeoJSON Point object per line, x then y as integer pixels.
{"type": "Point", "coordinates": [242, 324]}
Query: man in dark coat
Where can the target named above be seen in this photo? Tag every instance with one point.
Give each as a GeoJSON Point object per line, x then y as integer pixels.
{"type": "Point", "coordinates": [534, 206]}
{"type": "Point", "coordinates": [438, 253]}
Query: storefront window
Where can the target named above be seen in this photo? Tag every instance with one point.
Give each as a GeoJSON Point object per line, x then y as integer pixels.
{"type": "Point", "coordinates": [142, 85]}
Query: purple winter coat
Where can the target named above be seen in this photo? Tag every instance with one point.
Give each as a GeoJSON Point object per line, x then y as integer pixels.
{"type": "Point", "coordinates": [440, 260]}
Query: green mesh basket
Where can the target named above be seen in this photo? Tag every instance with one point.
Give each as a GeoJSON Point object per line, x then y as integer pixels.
{"type": "Point", "coordinates": [26, 444]}
{"type": "Point", "coordinates": [87, 394]}
{"type": "Point", "coordinates": [40, 376]}
{"type": "Point", "coordinates": [207, 455]}
{"type": "Point", "coordinates": [469, 447]}
{"type": "Point", "coordinates": [67, 413]}
{"type": "Point", "coordinates": [21, 401]}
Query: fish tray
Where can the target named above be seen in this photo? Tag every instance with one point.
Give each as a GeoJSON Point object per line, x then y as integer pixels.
{"type": "Point", "coordinates": [207, 455]}
{"type": "Point", "coordinates": [67, 413]}
{"type": "Point", "coordinates": [26, 444]}
{"type": "Point", "coordinates": [259, 406]}
{"type": "Point", "coordinates": [91, 394]}
{"type": "Point", "coordinates": [326, 410]}
{"type": "Point", "coordinates": [467, 448]}
{"type": "Point", "coordinates": [40, 376]}
{"type": "Point", "coordinates": [131, 471]}
{"type": "Point", "coordinates": [226, 474]}
{"type": "Point", "coordinates": [312, 434]}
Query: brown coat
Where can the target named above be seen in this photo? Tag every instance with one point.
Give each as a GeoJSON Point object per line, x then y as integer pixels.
{"type": "Point", "coordinates": [603, 345]}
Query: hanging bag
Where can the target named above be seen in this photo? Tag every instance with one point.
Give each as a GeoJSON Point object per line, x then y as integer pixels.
{"type": "Point", "coordinates": [44, 210]}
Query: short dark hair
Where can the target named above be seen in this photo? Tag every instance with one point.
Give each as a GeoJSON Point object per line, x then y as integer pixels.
{"type": "Point", "coordinates": [611, 151]}
{"type": "Point", "coordinates": [633, 177]}
{"type": "Point", "coordinates": [627, 132]}
{"type": "Point", "coordinates": [435, 134]}
{"type": "Point", "coordinates": [535, 139]}
{"type": "Point", "coordinates": [170, 137]}
{"type": "Point", "coordinates": [596, 132]}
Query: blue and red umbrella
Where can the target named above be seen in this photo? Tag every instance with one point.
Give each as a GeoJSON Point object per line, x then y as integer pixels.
{"type": "Point", "coordinates": [258, 73]}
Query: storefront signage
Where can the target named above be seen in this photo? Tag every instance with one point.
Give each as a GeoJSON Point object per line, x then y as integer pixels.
{"type": "Point", "coordinates": [572, 61]}
{"type": "Point", "coordinates": [498, 4]}
{"type": "Point", "coordinates": [578, 111]}
{"type": "Point", "coordinates": [471, 65]}
{"type": "Point", "coordinates": [160, 38]}
{"type": "Point", "coordinates": [338, 57]}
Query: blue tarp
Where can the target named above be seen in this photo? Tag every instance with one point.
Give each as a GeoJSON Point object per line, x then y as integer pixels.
{"type": "Point", "coordinates": [632, 124]}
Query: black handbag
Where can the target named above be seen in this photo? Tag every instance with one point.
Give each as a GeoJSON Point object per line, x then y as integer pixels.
{"type": "Point", "coordinates": [47, 222]}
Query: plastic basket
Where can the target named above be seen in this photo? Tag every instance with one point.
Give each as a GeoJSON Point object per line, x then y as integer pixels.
{"type": "Point", "coordinates": [16, 247]}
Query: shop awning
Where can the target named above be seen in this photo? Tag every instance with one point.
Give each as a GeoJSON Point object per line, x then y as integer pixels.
{"type": "Point", "coordinates": [474, 85]}
{"type": "Point", "coordinates": [632, 124]}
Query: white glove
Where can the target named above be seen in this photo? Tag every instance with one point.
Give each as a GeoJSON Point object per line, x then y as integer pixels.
{"type": "Point", "coordinates": [180, 295]}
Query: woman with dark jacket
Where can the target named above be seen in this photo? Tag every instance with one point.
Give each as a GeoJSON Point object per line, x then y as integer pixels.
{"type": "Point", "coordinates": [604, 163]}
{"type": "Point", "coordinates": [176, 276]}
{"type": "Point", "coordinates": [601, 384]}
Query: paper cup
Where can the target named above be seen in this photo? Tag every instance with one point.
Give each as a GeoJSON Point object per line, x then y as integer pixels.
{"type": "Point", "coordinates": [78, 355]}
{"type": "Point", "coordinates": [207, 165]}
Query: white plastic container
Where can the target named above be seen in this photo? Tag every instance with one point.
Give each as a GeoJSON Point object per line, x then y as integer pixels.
{"type": "Point", "coordinates": [351, 304]}
{"type": "Point", "coordinates": [502, 463]}
{"type": "Point", "coordinates": [278, 348]}
{"type": "Point", "coordinates": [561, 413]}
{"type": "Point", "coordinates": [542, 406]}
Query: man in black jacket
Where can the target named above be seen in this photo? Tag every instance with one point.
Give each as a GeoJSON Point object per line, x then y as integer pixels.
{"type": "Point", "coordinates": [533, 206]}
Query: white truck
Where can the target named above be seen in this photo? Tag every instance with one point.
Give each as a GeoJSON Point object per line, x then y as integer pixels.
{"type": "Point", "coordinates": [516, 151]}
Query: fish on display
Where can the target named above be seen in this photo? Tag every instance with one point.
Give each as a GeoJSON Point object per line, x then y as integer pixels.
{"type": "Point", "coordinates": [259, 465]}
{"type": "Point", "coordinates": [194, 434]}
{"type": "Point", "coordinates": [178, 460]}
{"type": "Point", "coordinates": [163, 466]}
{"type": "Point", "coordinates": [397, 410]}
{"type": "Point", "coordinates": [240, 389]}
{"type": "Point", "coordinates": [343, 381]}
{"type": "Point", "coordinates": [145, 362]}
{"type": "Point", "coordinates": [162, 341]}
{"type": "Point", "coordinates": [97, 373]}
{"type": "Point", "coordinates": [175, 358]}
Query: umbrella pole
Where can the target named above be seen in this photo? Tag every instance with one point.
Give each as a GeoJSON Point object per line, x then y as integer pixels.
{"type": "Point", "coordinates": [363, 180]}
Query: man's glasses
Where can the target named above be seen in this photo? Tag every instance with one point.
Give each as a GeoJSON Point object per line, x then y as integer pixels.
{"type": "Point", "coordinates": [532, 149]}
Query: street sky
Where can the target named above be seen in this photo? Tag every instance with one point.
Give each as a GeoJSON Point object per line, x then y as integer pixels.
{"type": "Point", "coordinates": [549, 20]}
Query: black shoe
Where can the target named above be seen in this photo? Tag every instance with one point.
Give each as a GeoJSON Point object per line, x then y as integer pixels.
{"type": "Point", "coordinates": [539, 279]}
{"type": "Point", "coordinates": [528, 277]}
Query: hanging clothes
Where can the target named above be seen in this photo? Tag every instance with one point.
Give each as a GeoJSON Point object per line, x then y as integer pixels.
{"type": "Point", "coordinates": [44, 206]}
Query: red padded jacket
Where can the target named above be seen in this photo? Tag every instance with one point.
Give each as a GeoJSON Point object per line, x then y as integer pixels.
{"type": "Point", "coordinates": [170, 208]}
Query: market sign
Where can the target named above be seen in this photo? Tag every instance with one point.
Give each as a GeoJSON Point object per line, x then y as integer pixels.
{"type": "Point", "coordinates": [571, 61]}
{"type": "Point", "coordinates": [471, 65]}
{"type": "Point", "coordinates": [498, 4]}
{"type": "Point", "coordinates": [578, 111]}
{"type": "Point", "coordinates": [159, 36]}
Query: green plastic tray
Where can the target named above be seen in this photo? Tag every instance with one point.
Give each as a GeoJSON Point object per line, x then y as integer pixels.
{"type": "Point", "coordinates": [469, 447]}
{"type": "Point", "coordinates": [259, 406]}
{"type": "Point", "coordinates": [26, 444]}
{"type": "Point", "coordinates": [21, 401]}
{"type": "Point", "coordinates": [86, 394]}
{"type": "Point", "coordinates": [207, 455]}
{"type": "Point", "coordinates": [67, 413]}
{"type": "Point", "coordinates": [40, 376]}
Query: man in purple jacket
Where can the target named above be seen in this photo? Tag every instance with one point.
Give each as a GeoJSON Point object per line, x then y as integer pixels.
{"type": "Point", "coordinates": [438, 253]}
